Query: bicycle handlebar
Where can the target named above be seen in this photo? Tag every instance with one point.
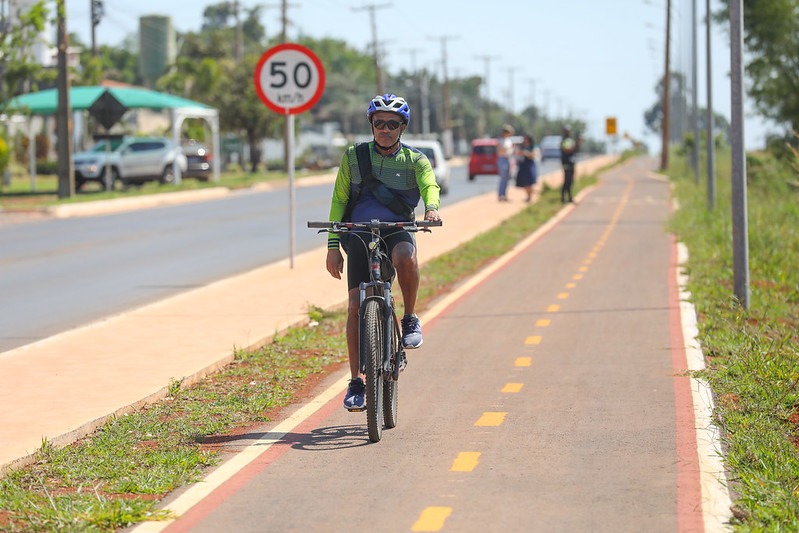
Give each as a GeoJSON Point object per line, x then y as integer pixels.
{"type": "Point", "coordinates": [411, 225]}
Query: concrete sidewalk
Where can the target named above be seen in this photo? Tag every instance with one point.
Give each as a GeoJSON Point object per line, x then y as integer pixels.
{"type": "Point", "coordinates": [66, 386]}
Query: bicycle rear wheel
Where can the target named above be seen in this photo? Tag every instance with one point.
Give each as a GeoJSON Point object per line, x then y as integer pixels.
{"type": "Point", "coordinates": [372, 346]}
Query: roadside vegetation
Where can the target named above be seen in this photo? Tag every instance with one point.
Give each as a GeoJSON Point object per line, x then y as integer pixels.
{"type": "Point", "coordinates": [752, 355]}
{"type": "Point", "coordinates": [115, 477]}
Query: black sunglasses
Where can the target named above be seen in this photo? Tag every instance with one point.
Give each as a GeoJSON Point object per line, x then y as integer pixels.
{"type": "Point", "coordinates": [392, 124]}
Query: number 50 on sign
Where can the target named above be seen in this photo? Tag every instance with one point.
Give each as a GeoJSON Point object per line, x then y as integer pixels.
{"type": "Point", "coordinates": [289, 79]}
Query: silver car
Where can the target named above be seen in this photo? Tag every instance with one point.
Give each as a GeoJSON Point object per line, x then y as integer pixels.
{"type": "Point", "coordinates": [133, 160]}
{"type": "Point", "coordinates": [435, 153]}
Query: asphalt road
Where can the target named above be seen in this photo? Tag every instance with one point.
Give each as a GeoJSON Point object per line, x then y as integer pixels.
{"type": "Point", "coordinates": [546, 397]}
{"type": "Point", "coordinates": [58, 274]}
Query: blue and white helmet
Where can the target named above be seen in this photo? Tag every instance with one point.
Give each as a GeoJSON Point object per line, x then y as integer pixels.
{"type": "Point", "coordinates": [391, 103]}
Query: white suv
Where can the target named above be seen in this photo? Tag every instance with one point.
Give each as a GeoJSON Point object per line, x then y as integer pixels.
{"type": "Point", "coordinates": [434, 152]}
{"type": "Point", "coordinates": [133, 161]}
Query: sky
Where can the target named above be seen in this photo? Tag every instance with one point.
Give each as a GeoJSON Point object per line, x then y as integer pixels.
{"type": "Point", "coordinates": [585, 59]}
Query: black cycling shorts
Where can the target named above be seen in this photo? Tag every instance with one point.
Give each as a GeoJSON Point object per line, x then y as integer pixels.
{"type": "Point", "coordinates": [358, 254]}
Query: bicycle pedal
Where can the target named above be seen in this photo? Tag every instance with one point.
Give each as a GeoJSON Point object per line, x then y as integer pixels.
{"type": "Point", "coordinates": [356, 409]}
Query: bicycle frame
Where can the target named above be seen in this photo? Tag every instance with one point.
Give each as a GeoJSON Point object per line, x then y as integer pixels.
{"type": "Point", "coordinates": [379, 290]}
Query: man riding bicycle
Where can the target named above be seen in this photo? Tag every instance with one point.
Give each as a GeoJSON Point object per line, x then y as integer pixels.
{"type": "Point", "coordinates": [401, 176]}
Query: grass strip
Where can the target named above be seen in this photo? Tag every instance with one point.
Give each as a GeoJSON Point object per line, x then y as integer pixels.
{"type": "Point", "coordinates": [752, 355]}
{"type": "Point", "coordinates": [115, 477]}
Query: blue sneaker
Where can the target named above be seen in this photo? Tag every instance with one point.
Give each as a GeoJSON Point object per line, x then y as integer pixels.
{"type": "Point", "coordinates": [411, 332]}
{"type": "Point", "coordinates": [355, 400]}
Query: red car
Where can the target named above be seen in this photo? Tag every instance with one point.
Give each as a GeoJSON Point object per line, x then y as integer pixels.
{"type": "Point", "coordinates": [483, 158]}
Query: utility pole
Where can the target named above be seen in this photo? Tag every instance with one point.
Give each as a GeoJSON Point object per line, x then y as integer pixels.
{"type": "Point", "coordinates": [381, 89]}
{"type": "Point", "coordinates": [447, 132]}
{"type": "Point", "coordinates": [740, 230]}
{"type": "Point", "coordinates": [532, 91]}
{"type": "Point", "coordinates": [664, 126]}
{"type": "Point", "coordinates": [511, 71]}
{"type": "Point", "coordinates": [709, 118]}
{"type": "Point", "coordinates": [239, 31]}
{"type": "Point", "coordinates": [694, 93]}
{"type": "Point", "coordinates": [546, 105]}
{"type": "Point", "coordinates": [415, 74]}
{"type": "Point", "coordinates": [97, 12]}
{"type": "Point", "coordinates": [284, 20]}
{"type": "Point", "coordinates": [486, 94]}
{"type": "Point", "coordinates": [66, 169]}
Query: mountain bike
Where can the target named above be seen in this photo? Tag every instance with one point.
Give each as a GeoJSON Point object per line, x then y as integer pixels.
{"type": "Point", "coordinates": [381, 354]}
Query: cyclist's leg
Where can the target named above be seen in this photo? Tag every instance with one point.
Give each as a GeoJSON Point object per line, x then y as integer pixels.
{"type": "Point", "coordinates": [357, 272]}
{"type": "Point", "coordinates": [352, 332]}
{"type": "Point", "coordinates": [402, 250]}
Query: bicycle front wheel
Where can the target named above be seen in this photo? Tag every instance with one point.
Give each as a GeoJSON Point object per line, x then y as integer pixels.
{"type": "Point", "coordinates": [372, 346]}
{"type": "Point", "coordinates": [391, 388]}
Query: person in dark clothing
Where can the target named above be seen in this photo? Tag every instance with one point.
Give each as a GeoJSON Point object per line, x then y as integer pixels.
{"type": "Point", "coordinates": [527, 175]}
{"type": "Point", "coordinates": [568, 159]}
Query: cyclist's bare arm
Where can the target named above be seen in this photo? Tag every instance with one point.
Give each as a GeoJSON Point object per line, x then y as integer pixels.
{"type": "Point", "coordinates": [335, 263]}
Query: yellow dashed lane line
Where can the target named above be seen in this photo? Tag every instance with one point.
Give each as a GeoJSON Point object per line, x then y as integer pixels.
{"type": "Point", "coordinates": [432, 519]}
{"type": "Point", "coordinates": [491, 418]}
{"type": "Point", "coordinates": [465, 462]}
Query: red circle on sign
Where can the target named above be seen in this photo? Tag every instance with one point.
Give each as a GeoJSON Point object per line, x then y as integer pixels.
{"type": "Point", "coordinates": [294, 55]}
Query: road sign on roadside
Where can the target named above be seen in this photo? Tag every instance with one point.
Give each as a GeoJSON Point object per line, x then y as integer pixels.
{"type": "Point", "coordinates": [610, 125]}
{"type": "Point", "coordinates": [289, 79]}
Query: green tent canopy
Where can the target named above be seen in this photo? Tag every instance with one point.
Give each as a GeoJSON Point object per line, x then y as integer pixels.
{"type": "Point", "coordinates": [82, 98]}
{"type": "Point", "coordinates": [46, 102]}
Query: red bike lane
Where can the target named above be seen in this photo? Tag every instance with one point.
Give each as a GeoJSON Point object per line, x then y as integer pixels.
{"type": "Point", "coordinates": [551, 394]}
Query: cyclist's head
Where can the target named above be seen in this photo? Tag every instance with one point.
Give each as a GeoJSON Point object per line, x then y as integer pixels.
{"type": "Point", "coordinates": [390, 103]}
{"type": "Point", "coordinates": [387, 131]}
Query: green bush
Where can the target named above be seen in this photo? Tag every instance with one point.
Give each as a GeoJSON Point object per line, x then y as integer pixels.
{"type": "Point", "coordinates": [46, 167]}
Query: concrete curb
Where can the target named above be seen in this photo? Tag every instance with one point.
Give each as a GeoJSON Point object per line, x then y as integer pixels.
{"type": "Point", "coordinates": [102, 207]}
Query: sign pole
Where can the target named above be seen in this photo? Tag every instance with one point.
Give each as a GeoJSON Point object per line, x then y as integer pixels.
{"type": "Point", "coordinates": [290, 159]}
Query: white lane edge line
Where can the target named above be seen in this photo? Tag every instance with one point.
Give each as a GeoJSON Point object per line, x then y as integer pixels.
{"type": "Point", "coordinates": [229, 468]}
{"type": "Point", "coordinates": [716, 502]}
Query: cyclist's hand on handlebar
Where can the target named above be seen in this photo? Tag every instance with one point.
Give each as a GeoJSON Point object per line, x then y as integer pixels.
{"type": "Point", "coordinates": [335, 263]}
{"type": "Point", "coordinates": [432, 215]}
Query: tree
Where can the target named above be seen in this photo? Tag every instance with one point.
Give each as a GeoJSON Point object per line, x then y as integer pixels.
{"type": "Point", "coordinates": [771, 39]}
{"type": "Point", "coordinates": [19, 31]}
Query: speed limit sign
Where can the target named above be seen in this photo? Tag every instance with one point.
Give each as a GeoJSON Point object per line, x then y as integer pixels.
{"type": "Point", "coordinates": [289, 79]}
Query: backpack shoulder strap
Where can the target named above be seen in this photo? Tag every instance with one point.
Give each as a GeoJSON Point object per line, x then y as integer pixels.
{"type": "Point", "coordinates": [364, 162]}
{"type": "Point", "coordinates": [380, 191]}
